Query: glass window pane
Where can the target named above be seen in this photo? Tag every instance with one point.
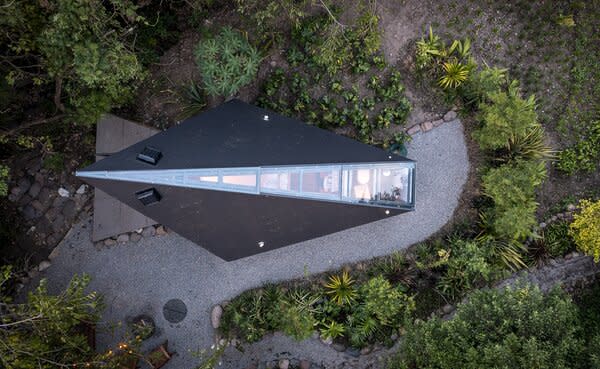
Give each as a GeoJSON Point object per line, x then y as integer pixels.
{"type": "Point", "coordinates": [393, 184]}
{"type": "Point", "coordinates": [213, 179]}
{"type": "Point", "coordinates": [361, 184]}
{"type": "Point", "coordinates": [240, 180]}
{"type": "Point", "coordinates": [325, 181]}
{"type": "Point", "coordinates": [280, 180]}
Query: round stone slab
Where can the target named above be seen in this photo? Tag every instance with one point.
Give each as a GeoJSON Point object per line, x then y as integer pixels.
{"type": "Point", "coordinates": [174, 311]}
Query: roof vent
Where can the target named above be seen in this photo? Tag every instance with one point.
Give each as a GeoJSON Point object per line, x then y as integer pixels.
{"type": "Point", "coordinates": [150, 155]}
{"type": "Point", "coordinates": [148, 197]}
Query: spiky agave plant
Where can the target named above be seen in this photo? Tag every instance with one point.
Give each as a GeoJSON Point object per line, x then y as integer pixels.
{"type": "Point", "coordinates": [341, 289]}
{"type": "Point", "coordinates": [195, 101]}
{"type": "Point", "coordinates": [455, 73]}
{"type": "Point", "coordinates": [530, 146]}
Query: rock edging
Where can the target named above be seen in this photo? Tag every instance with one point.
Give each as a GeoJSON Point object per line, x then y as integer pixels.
{"type": "Point", "coordinates": [428, 125]}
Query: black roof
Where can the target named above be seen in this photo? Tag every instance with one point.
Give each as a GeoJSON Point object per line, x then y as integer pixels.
{"type": "Point", "coordinates": [235, 225]}
{"type": "Point", "coordinates": [235, 134]}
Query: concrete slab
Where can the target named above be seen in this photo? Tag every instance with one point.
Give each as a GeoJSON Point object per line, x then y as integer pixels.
{"type": "Point", "coordinates": [112, 217]}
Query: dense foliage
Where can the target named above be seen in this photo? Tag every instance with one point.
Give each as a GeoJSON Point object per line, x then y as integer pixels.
{"type": "Point", "coordinates": [376, 309]}
{"type": "Point", "coordinates": [78, 47]}
{"type": "Point", "coordinates": [512, 189]}
{"type": "Point", "coordinates": [340, 81]}
{"type": "Point", "coordinates": [584, 155]}
{"type": "Point", "coordinates": [4, 177]}
{"type": "Point", "coordinates": [504, 116]}
{"type": "Point", "coordinates": [49, 331]}
{"type": "Point", "coordinates": [585, 228]}
{"type": "Point", "coordinates": [508, 328]}
{"type": "Point", "coordinates": [227, 62]}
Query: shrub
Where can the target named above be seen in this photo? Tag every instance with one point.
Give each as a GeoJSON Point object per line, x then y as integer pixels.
{"type": "Point", "coordinates": [468, 266]}
{"type": "Point", "coordinates": [454, 75]}
{"type": "Point", "coordinates": [227, 62]}
{"type": "Point", "coordinates": [506, 115]}
{"type": "Point", "coordinates": [530, 146]}
{"type": "Point", "coordinates": [512, 189]}
{"type": "Point", "coordinates": [483, 84]}
{"type": "Point", "coordinates": [332, 330]}
{"type": "Point", "coordinates": [4, 177]}
{"type": "Point", "coordinates": [252, 314]}
{"type": "Point", "coordinates": [80, 49]}
{"type": "Point", "coordinates": [294, 321]}
{"type": "Point", "coordinates": [585, 228]}
{"type": "Point", "coordinates": [583, 156]}
{"type": "Point", "coordinates": [557, 239]}
{"type": "Point", "coordinates": [379, 305]}
{"type": "Point", "coordinates": [509, 328]}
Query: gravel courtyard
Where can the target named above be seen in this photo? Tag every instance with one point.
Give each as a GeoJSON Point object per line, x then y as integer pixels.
{"type": "Point", "coordinates": [141, 277]}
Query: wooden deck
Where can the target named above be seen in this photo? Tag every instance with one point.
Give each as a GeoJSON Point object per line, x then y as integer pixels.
{"type": "Point", "coordinates": [112, 217]}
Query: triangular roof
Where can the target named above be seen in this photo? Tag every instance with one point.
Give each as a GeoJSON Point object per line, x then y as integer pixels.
{"type": "Point", "coordinates": [233, 224]}
{"type": "Point", "coordinates": [235, 134]}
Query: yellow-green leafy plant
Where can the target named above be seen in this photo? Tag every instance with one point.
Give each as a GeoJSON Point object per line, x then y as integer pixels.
{"type": "Point", "coordinates": [4, 176]}
{"type": "Point", "coordinates": [505, 116]}
{"type": "Point", "coordinates": [332, 330]}
{"type": "Point", "coordinates": [427, 49]}
{"type": "Point", "coordinates": [455, 73]}
{"type": "Point", "coordinates": [585, 228]}
{"type": "Point", "coordinates": [341, 289]}
{"type": "Point", "coordinates": [512, 189]}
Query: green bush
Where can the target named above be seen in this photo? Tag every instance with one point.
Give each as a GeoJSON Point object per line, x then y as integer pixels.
{"type": "Point", "coordinates": [341, 289]}
{"type": "Point", "coordinates": [251, 314]}
{"type": "Point", "coordinates": [506, 115]}
{"type": "Point", "coordinates": [227, 62]}
{"type": "Point", "coordinates": [4, 177]}
{"type": "Point", "coordinates": [512, 190]}
{"type": "Point", "coordinates": [557, 240]}
{"type": "Point", "coordinates": [583, 156]}
{"type": "Point", "coordinates": [379, 305]}
{"type": "Point", "coordinates": [332, 47]}
{"type": "Point", "coordinates": [469, 266]}
{"type": "Point", "coordinates": [82, 50]}
{"type": "Point", "coordinates": [482, 84]}
{"type": "Point", "coordinates": [585, 228]}
{"type": "Point", "coordinates": [452, 65]}
{"type": "Point", "coordinates": [509, 328]}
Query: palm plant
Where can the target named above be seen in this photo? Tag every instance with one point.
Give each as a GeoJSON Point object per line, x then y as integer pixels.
{"type": "Point", "coordinates": [455, 73]}
{"type": "Point", "coordinates": [341, 288]}
{"type": "Point", "coordinates": [428, 48]}
{"type": "Point", "coordinates": [508, 252]}
{"type": "Point", "coordinates": [333, 330]}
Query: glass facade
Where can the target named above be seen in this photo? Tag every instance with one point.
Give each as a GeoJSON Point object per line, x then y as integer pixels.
{"type": "Point", "coordinates": [372, 184]}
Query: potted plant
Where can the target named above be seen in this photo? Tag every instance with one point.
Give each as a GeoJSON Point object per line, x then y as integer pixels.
{"type": "Point", "coordinates": [159, 356]}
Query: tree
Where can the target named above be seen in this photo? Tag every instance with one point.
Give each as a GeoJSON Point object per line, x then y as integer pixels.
{"type": "Point", "coordinates": [77, 48]}
{"type": "Point", "coordinates": [585, 228]}
{"type": "Point", "coordinates": [513, 328]}
{"type": "Point", "coordinates": [46, 332]}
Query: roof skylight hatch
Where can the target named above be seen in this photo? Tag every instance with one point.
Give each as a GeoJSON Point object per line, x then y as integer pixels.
{"type": "Point", "coordinates": [148, 197]}
{"type": "Point", "coordinates": [150, 155]}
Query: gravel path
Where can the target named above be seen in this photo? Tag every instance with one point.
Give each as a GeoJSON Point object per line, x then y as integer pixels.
{"type": "Point", "coordinates": [141, 277]}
